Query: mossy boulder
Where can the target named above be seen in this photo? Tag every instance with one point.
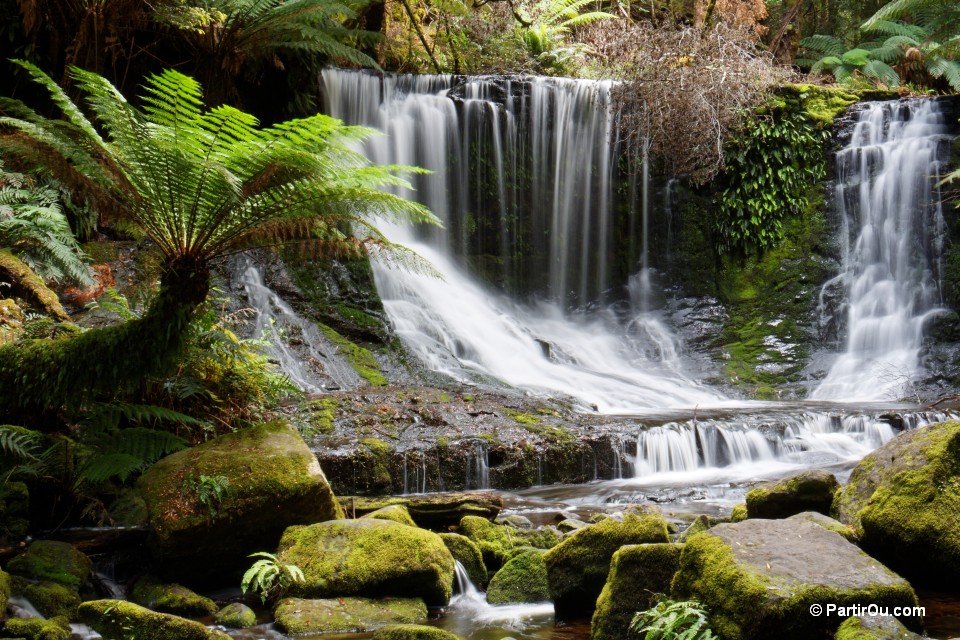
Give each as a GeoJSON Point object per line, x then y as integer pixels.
{"type": "Point", "coordinates": [495, 541]}
{"type": "Point", "coordinates": [346, 615]}
{"type": "Point", "coordinates": [274, 482]}
{"type": "Point", "coordinates": [11, 321]}
{"type": "Point", "coordinates": [468, 554]}
{"type": "Point", "coordinates": [522, 579]}
{"type": "Point", "coordinates": [39, 629]}
{"type": "Point", "coordinates": [394, 512]}
{"type": "Point", "coordinates": [577, 568]}
{"type": "Point", "coordinates": [874, 628]}
{"type": "Point", "coordinates": [699, 525]}
{"type": "Point", "coordinates": [121, 619]}
{"type": "Point", "coordinates": [51, 599]}
{"type": "Point", "coordinates": [236, 615]}
{"type": "Point", "coordinates": [828, 523]}
{"type": "Point", "coordinates": [437, 511]}
{"type": "Point", "coordinates": [368, 558]}
{"type": "Point", "coordinates": [738, 513]}
{"type": "Point", "coordinates": [413, 632]}
{"type": "Point", "coordinates": [637, 574]}
{"type": "Point", "coordinates": [758, 578]}
{"type": "Point", "coordinates": [4, 589]}
{"type": "Point", "coordinates": [150, 592]}
{"type": "Point", "coordinates": [811, 490]}
{"type": "Point", "coordinates": [904, 499]}
{"type": "Point", "coordinates": [569, 525]}
{"type": "Point", "coordinates": [53, 561]}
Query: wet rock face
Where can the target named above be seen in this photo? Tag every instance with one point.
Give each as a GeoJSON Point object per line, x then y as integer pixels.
{"type": "Point", "coordinates": [346, 615]}
{"type": "Point", "coordinates": [758, 579]}
{"type": "Point", "coordinates": [807, 491]}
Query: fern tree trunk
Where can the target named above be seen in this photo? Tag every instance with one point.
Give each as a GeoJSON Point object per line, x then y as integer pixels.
{"type": "Point", "coordinates": [40, 376]}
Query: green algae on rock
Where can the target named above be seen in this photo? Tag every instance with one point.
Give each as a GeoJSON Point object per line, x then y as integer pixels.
{"type": "Point", "coordinates": [368, 557]}
{"type": "Point", "coordinates": [121, 619]}
{"type": "Point", "coordinates": [811, 490]}
{"type": "Point", "coordinates": [522, 579]}
{"type": "Point", "coordinates": [153, 594]}
{"type": "Point", "coordinates": [347, 614]}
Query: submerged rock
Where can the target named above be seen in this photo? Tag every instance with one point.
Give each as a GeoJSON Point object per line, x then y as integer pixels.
{"type": "Point", "coordinates": [758, 579]}
{"type": "Point", "coordinates": [905, 499]}
{"type": "Point", "coordinates": [368, 558]}
{"type": "Point", "coordinates": [346, 615]}
{"type": "Point", "coordinates": [811, 490]}
{"type": "Point", "coordinates": [274, 482]}
{"type": "Point", "coordinates": [121, 619]}
{"type": "Point", "coordinates": [577, 568]}
{"type": "Point", "coordinates": [153, 594]}
{"type": "Point", "coordinates": [236, 616]}
{"type": "Point", "coordinates": [522, 579]}
{"type": "Point", "coordinates": [413, 632]}
{"type": "Point", "coordinates": [637, 574]}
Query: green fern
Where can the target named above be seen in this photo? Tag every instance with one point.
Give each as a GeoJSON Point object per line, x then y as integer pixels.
{"type": "Point", "coordinates": [269, 577]}
{"type": "Point", "coordinates": [19, 443]}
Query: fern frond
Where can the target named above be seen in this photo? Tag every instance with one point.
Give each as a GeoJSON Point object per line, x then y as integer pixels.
{"type": "Point", "coordinates": [826, 45]}
{"type": "Point", "coordinates": [102, 467]}
{"type": "Point", "coordinates": [881, 71]}
{"type": "Point", "coordinates": [19, 443]}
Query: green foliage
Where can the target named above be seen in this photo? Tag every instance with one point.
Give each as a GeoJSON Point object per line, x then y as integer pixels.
{"type": "Point", "coordinates": [673, 620]}
{"type": "Point", "coordinates": [270, 578]}
{"type": "Point", "coordinates": [770, 166]}
{"type": "Point", "coordinates": [209, 491]}
{"type": "Point", "coordinates": [545, 34]}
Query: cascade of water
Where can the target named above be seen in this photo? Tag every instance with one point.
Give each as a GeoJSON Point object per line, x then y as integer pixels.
{"type": "Point", "coordinates": [478, 473]}
{"type": "Point", "coordinates": [893, 234]}
{"type": "Point", "coordinates": [556, 158]}
{"type": "Point", "coordinates": [471, 609]}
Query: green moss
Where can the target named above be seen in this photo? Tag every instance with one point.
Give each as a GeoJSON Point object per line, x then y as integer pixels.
{"type": "Point", "coordinates": [153, 594]}
{"type": "Point", "coordinates": [527, 419]}
{"type": "Point", "coordinates": [496, 541]}
{"type": "Point", "coordinates": [50, 598]}
{"type": "Point", "coordinates": [395, 512]}
{"type": "Point", "coordinates": [323, 414]}
{"type": "Point", "coordinates": [806, 491]}
{"type": "Point", "coordinates": [15, 504]}
{"type": "Point", "coordinates": [236, 616]}
{"type": "Point", "coordinates": [738, 513]}
{"type": "Point", "coordinates": [359, 358]}
{"type": "Point", "coordinates": [346, 615]}
{"type": "Point", "coordinates": [522, 579]}
{"type": "Point", "coordinates": [699, 525]}
{"type": "Point", "coordinates": [4, 589]}
{"type": "Point", "coordinates": [53, 561]}
{"type": "Point", "coordinates": [121, 619]}
{"type": "Point", "coordinates": [856, 628]}
{"type": "Point", "coordinates": [822, 104]}
{"type": "Point", "coordinates": [468, 554]}
{"type": "Point", "coordinates": [29, 286]}
{"type": "Point", "coordinates": [412, 632]}
{"type": "Point", "coordinates": [39, 629]}
{"type": "Point", "coordinates": [829, 524]}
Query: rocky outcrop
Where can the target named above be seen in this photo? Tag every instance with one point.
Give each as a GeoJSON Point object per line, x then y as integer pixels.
{"type": "Point", "coordinates": [274, 482]}
{"type": "Point", "coordinates": [811, 490]}
{"type": "Point", "coordinates": [758, 579]}
{"type": "Point", "coordinates": [346, 615]}
{"type": "Point", "coordinates": [828, 523]}
{"type": "Point", "coordinates": [522, 579]}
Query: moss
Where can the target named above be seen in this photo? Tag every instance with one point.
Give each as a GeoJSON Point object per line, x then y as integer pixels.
{"type": "Point", "coordinates": [50, 598]}
{"type": "Point", "coordinates": [11, 321]}
{"type": "Point", "coordinates": [236, 616]}
{"type": "Point", "coordinates": [376, 459]}
{"type": "Point", "coordinates": [856, 628]}
{"type": "Point", "coordinates": [822, 104]}
{"type": "Point", "coordinates": [346, 615]}
{"type": "Point", "coordinates": [323, 414]}
{"type": "Point", "coordinates": [395, 512]}
{"type": "Point", "coordinates": [39, 629]}
{"type": "Point", "coordinates": [468, 554]}
{"type": "Point", "coordinates": [29, 286]}
{"type": "Point", "coordinates": [412, 632]}
{"type": "Point", "coordinates": [129, 509]}
{"type": "Point", "coordinates": [439, 512]}
{"type": "Point", "coordinates": [4, 589]}
{"type": "Point", "coordinates": [54, 561]}
{"type": "Point", "coordinates": [699, 525]}
{"type": "Point", "coordinates": [527, 419]}
{"type": "Point", "coordinates": [578, 566]}
{"type": "Point", "coordinates": [738, 513]}
{"type": "Point", "coordinates": [14, 507]}
{"type": "Point", "coordinates": [638, 574]}
{"type": "Point", "coordinates": [806, 491]}
{"type": "Point", "coordinates": [829, 524]}
{"type": "Point", "coordinates": [121, 619]}
{"type": "Point", "coordinates": [496, 541]}
{"type": "Point", "coordinates": [360, 359]}
{"type": "Point", "coordinates": [522, 579]}
{"type": "Point", "coordinates": [153, 594]}
{"type": "Point", "coordinates": [368, 558]}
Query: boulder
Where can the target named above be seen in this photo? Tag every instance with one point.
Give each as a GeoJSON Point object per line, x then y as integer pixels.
{"type": "Point", "coordinates": [4, 589]}
{"type": "Point", "coordinates": [738, 513]}
{"type": "Point", "coordinates": [153, 594]}
{"type": "Point", "coordinates": [368, 557]}
{"type": "Point", "coordinates": [39, 629]}
{"type": "Point", "coordinates": [496, 540]}
{"type": "Point", "coordinates": [758, 578]}
{"type": "Point", "coordinates": [874, 628]}
{"type": "Point", "coordinates": [468, 554]}
{"type": "Point", "coordinates": [522, 579]}
{"type": "Point", "coordinates": [274, 482]}
{"type": "Point", "coordinates": [236, 616]}
{"type": "Point", "coordinates": [51, 599]}
{"type": "Point", "coordinates": [699, 525]}
{"type": "Point", "coordinates": [438, 511]}
{"type": "Point", "coordinates": [121, 619]}
{"type": "Point", "coordinates": [637, 574]}
{"type": "Point", "coordinates": [569, 525]}
{"type": "Point", "coordinates": [811, 490]}
{"type": "Point", "coordinates": [577, 568]}
{"type": "Point", "coordinates": [346, 615]}
{"type": "Point", "coordinates": [828, 523]}
{"type": "Point", "coordinates": [515, 520]}
{"type": "Point", "coordinates": [395, 512]}
{"type": "Point", "coordinates": [53, 561]}
{"type": "Point", "coordinates": [904, 499]}
{"type": "Point", "coordinates": [412, 632]}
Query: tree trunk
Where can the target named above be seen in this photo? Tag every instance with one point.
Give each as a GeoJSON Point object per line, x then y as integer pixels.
{"type": "Point", "coordinates": [39, 376]}
{"type": "Point", "coordinates": [25, 284]}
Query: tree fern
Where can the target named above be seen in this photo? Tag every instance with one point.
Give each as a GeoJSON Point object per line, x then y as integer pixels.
{"type": "Point", "coordinates": [19, 443]}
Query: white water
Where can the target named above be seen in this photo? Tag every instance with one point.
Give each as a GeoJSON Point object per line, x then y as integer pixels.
{"type": "Point", "coordinates": [893, 228]}
{"type": "Point", "coordinates": [461, 328]}
{"type": "Point", "coordinates": [469, 610]}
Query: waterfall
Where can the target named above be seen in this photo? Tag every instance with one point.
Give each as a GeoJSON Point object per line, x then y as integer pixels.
{"type": "Point", "coordinates": [498, 148]}
{"type": "Point", "coordinates": [893, 235]}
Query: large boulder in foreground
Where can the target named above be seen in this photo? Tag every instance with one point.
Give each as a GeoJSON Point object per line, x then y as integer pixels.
{"type": "Point", "coordinates": [577, 568]}
{"type": "Point", "coordinates": [811, 490]}
{"type": "Point", "coordinates": [758, 578]}
{"type": "Point", "coordinates": [274, 482]}
{"type": "Point", "coordinates": [904, 498]}
{"type": "Point", "coordinates": [637, 574]}
{"type": "Point", "coordinates": [121, 619]}
{"type": "Point", "coordinates": [346, 615]}
{"type": "Point", "coordinates": [368, 557]}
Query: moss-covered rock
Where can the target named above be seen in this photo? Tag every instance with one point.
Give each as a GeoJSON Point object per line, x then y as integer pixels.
{"type": "Point", "coordinates": [495, 541]}
{"type": "Point", "coordinates": [522, 579]}
{"type": "Point", "coordinates": [413, 632]}
{"type": "Point", "coordinates": [51, 599]}
{"type": "Point", "coordinates": [4, 589]}
{"type": "Point", "coordinates": [821, 104]}
{"type": "Point", "coordinates": [758, 578]}
{"type": "Point", "coordinates": [468, 554]}
{"type": "Point", "coordinates": [436, 511]}
{"type": "Point", "coordinates": [26, 284]}
{"type": "Point", "coordinates": [699, 525]}
{"type": "Point", "coordinates": [368, 558]}
{"type": "Point", "coordinates": [904, 498]}
{"type": "Point", "coordinates": [577, 568]}
{"type": "Point", "coordinates": [154, 594]}
{"type": "Point", "coordinates": [121, 619]}
{"type": "Point", "coordinates": [394, 512]}
{"type": "Point", "coordinates": [236, 615]}
{"type": "Point", "coordinates": [738, 513]}
{"type": "Point", "coordinates": [53, 561]}
{"type": "Point", "coordinates": [811, 490]}
{"type": "Point", "coordinates": [637, 574]}
{"type": "Point", "coordinates": [828, 523]}
{"type": "Point", "coordinates": [867, 628]}
{"type": "Point", "coordinates": [274, 482]}
{"type": "Point", "coordinates": [129, 509]}
{"type": "Point", "coordinates": [569, 525]}
{"type": "Point", "coordinates": [346, 615]}
{"type": "Point", "coordinates": [11, 321]}
{"type": "Point", "coordinates": [38, 628]}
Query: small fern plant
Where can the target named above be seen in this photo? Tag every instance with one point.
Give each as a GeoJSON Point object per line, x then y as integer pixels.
{"type": "Point", "coordinates": [209, 491]}
{"type": "Point", "coordinates": [672, 620]}
{"type": "Point", "coordinates": [270, 578]}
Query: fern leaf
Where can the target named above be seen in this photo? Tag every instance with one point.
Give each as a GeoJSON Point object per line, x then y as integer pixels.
{"type": "Point", "coordinates": [102, 467]}
{"type": "Point", "coordinates": [18, 442]}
